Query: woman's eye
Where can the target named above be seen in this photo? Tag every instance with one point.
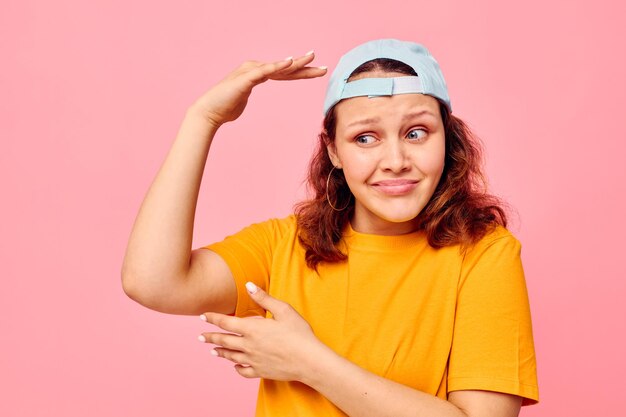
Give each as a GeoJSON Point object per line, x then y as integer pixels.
{"type": "Point", "coordinates": [365, 139]}
{"type": "Point", "coordinates": [416, 134]}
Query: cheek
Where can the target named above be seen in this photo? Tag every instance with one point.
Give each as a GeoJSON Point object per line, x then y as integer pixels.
{"type": "Point", "coordinates": [432, 162]}
{"type": "Point", "coordinates": [358, 167]}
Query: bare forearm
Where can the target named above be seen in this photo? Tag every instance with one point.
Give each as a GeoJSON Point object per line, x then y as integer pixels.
{"type": "Point", "coordinates": [360, 393]}
{"type": "Point", "coordinates": [159, 246]}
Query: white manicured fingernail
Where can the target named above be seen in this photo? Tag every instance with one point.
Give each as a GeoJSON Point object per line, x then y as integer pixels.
{"type": "Point", "coordinates": [251, 287]}
{"type": "Point", "coordinates": [309, 53]}
{"type": "Point", "coordinates": [214, 352]}
{"type": "Point", "coordinates": [202, 339]}
{"type": "Point", "coordinates": [203, 317]}
{"type": "Point", "coordinates": [323, 67]}
{"type": "Point", "coordinates": [289, 58]}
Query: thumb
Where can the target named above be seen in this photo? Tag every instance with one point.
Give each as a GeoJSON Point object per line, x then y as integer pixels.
{"type": "Point", "coordinates": [269, 303]}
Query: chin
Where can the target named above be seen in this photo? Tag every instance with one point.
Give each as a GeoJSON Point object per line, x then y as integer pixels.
{"type": "Point", "coordinates": [400, 219]}
{"type": "Point", "coordinates": [397, 216]}
{"type": "Point", "coordinates": [392, 213]}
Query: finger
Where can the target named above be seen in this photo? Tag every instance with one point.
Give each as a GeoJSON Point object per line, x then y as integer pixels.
{"type": "Point", "coordinates": [262, 73]}
{"type": "Point", "coordinates": [306, 58]}
{"type": "Point", "coordinates": [276, 307]}
{"type": "Point", "coordinates": [302, 73]}
{"type": "Point", "coordinates": [300, 62]}
{"type": "Point", "coordinates": [232, 355]}
{"type": "Point", "coordinates": [225, 322]}
{"type": "Point", "coordinates": [229, 341]}
{"type": "Point", "coordinates": [246, 371]}
{"type": "Point", "coordinates": [295, 65]}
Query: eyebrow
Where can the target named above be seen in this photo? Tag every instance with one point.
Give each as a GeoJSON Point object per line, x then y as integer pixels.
{"type": "Point", "coordinates": [404, 119]}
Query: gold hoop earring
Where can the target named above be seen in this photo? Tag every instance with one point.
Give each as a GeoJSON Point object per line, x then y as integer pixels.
{"type": "Point", "coordinates": [328, 198]}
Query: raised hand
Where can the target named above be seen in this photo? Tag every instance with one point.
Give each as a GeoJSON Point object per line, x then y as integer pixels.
{"type": "Point", "coordinates": [226, 100]}
{"type": "Point", "coordinates": [281, 348]}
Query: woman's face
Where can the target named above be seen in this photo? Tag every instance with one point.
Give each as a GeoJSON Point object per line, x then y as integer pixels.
{"type": "Point", "coordinates": [392, 151]}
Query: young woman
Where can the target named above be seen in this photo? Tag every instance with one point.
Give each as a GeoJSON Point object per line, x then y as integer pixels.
{"type": "Point", "coordinates": [395, 290]}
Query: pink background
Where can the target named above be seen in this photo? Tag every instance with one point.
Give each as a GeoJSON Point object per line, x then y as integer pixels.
{"type": "Point", "coordinates": [92, 94]}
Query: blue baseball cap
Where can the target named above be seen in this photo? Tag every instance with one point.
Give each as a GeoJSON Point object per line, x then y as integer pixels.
{"type": "Point", "coordinates": [429, 79]}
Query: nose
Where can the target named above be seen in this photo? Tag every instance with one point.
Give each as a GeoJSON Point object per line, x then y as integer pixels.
{"type": "Point", "coordinates": [395, 156]}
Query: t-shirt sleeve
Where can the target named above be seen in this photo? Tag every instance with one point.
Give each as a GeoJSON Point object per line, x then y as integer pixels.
{"type": "Point", "coordinates": [248, 253]}
{"type": "Point", "coordinates": [492, 346]}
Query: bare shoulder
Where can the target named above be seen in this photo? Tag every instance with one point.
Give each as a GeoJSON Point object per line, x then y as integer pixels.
{"type": "Point", "coordinates": [486, 403]}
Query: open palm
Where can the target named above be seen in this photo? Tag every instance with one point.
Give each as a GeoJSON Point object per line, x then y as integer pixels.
{"type": "Point", "coordinates": [226, 101]}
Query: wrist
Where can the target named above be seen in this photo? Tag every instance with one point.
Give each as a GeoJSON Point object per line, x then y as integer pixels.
{"type": "Point", "coordinates": [196, 114]}
{"type": "Point", "coordinates": [317, 365]}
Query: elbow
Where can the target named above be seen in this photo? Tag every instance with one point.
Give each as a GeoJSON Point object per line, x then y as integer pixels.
{"type": "Point", "coordinates": [135, 287]}
{"type": "Point", "coordinates": [146, 292]}
{"type": "Point", "coordinates": [139, 293]}
{"type": "Point", "coordinates": [130, 287]}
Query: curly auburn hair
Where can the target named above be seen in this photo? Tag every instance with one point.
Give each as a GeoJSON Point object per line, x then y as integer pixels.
{"type": "Point", "coordinates": [459, 212]}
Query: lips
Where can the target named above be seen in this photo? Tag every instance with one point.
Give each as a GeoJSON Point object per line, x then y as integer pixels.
{"type": "Point", "coordinates": [396, 186]}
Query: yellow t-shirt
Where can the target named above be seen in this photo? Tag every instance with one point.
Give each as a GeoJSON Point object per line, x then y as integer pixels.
{"type": "Point", "coordinates": [432, 319]}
